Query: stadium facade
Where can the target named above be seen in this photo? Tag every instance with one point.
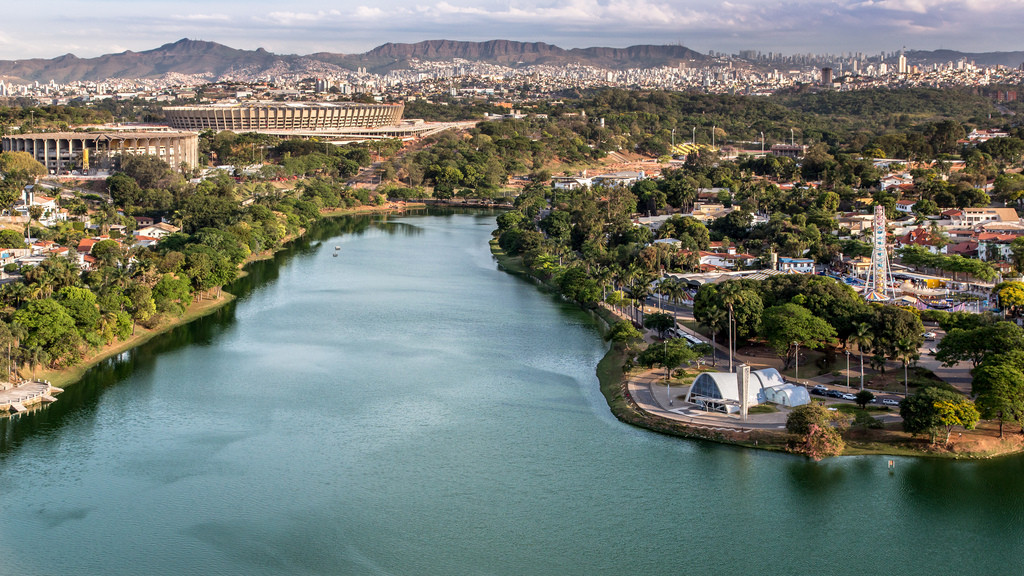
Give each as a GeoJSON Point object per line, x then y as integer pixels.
{"type": "Point", "coordinates": [265, 117]}
{"type": "Point", "coordinates": [59, 151]}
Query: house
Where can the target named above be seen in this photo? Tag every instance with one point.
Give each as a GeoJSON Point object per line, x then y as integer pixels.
{"type": "Point", "coordinates": [796, 265]}
{"type": "Point", "coordinates": [158, 230]}
{"type": "Point", "coordinates": [145, 241]}
{"type": "Point", "coordinates": [708, 211]}
{"type": "Point", "coordinates": [921, 236]}
{"type": "Point", "coordinates": [995, 245]}
{"type": "Point", "coordinates": [976, 216]}
{"type": "Point", "coordinates": [570, 182]}
{"type": "Point", "coordinates": [728, 260]}
{"type": "Point", "coordinates": [51, 213]}
{"type": "Point", "coordinates": [141, 221]}
{"type": "Point", "coordinates": [906, 206]}
{"type": "Point", "coordinates": [894, 180]}
{"type": "Point", "coordinates": [618, 179]}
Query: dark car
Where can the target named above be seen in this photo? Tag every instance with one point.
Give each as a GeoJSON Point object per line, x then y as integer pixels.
{"type": "Point", "coordinates": [834, 394]}
{"type": "Point", "coordinates": [818, 391]}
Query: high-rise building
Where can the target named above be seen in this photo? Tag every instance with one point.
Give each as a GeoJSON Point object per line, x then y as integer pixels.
{"type": "Point", "coordinates": [826, 76]}
{"type": "Point", "coordinates": [901, 66]}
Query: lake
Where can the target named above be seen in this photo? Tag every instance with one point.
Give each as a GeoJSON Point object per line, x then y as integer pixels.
{"type": "Point", "coordinates": [401, 406]}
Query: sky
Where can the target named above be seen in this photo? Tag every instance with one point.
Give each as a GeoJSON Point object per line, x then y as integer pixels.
{"type": "Point", "coordinates": [95, 27]}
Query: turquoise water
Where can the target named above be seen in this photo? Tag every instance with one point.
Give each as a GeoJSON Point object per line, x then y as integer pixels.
{"type": "Point", "coordinates": [406, 408]}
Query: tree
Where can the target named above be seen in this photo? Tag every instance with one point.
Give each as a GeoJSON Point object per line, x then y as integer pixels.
{"type": "Point", "coordinates": [932, 410]}
{"type": "Point", "coordinates": [148, 171]}
{"type": "Point", "coordinates": [577, 285]}
{"type": "Point", "coordinates": [892, 324]}
{"type": "Point", "coordinates": [659, 321]}
{"type": "Point", "coordinates": [11, 239]}
{"type": "Point", "coordinates": [124, 190]}
{"type": "Point", "coordinates": [49, 326]}
{"type": "Point", "coordinates": [108, 252]}
{"type": "Point", "coordinates": [140, 303]}
{"type": "Point", "coordinates": [22, 165]}
{"type": "Point", "coordinates": [791, 324]}
{"type": "Point", "coordinates": [171, 294]}
{"type": "Point", "coordinates": [670, 353]}
{"type": "Point", "coordinates": [81, 305]}
{"type": "Point", "coordinates": [906, 351]}
{"type": "Point", "coordinates": [861, 338]}
{"type": "Point", "coordinates": [999, 391]}
{"type": "Point", "coordinates": [864, 397]}
{"type": "Point", "coordinates": [975, 345]}
{"type": "Point", "coordinates": [623, 331]}
{"type": "Point", "coordinates": [819, 436]}
{"type": "Point", "coordinates": [1011, 294]}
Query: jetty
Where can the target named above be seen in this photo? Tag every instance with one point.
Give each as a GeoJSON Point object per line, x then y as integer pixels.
{"type": "Point", "coordinates": [20, 397]}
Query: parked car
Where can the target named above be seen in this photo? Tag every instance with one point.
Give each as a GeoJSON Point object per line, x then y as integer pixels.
{"type": "Point", "coordinates": [848, 396]}
{"type": "Point", "coordinates": [821, 387]}
{"type": "Point", "coordinates": [818, 391]}
{"type": "Point", "coordinates": [833, 394]}
{"type": "Point", "coordinates": [890, 402]}
{"type": "Point", "coordinates": [929, 335]}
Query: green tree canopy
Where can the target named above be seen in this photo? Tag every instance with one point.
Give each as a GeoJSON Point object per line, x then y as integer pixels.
{"type": "Point", "coordinates": [933, 410]}
{"type": "Point", "coordinates": [789, 324]}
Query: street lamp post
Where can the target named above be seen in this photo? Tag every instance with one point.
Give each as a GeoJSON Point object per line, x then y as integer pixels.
{"type": "Point", "coordinates": [796, 372]}
{"type": "Point", "coordinates": [847, 368]}
{"type": "Point", "coordinates": [668, 374]}
{"type": "Point", "coordinates": [861, 369]}
{"type": "Point", "coordinates": [729, 327]}
{"type": "Point", "coordinates": [693, 138]}
{"type": "Point", "coordinates": [673, 139]}
{"type": "Point", "coordinates": [762, 143]}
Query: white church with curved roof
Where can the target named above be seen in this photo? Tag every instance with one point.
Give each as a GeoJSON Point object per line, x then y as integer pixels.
{"type": "Point", "coordinates": [720, 391]}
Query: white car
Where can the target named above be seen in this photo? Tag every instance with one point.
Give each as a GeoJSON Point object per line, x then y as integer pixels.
{"type": "Point", "coordinates": [890, 402]}
{"type": "Point", "coordinates": [848, 396]}
{"type": "Point", "coordinates": [929, 335]}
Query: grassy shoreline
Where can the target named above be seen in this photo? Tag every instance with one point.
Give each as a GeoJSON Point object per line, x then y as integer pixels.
{"type": "Point", "coordinates": [70, 375]}
{"type": "Point", "coordinates": [612, 381]}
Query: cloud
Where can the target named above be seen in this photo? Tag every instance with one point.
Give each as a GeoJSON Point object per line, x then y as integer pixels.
{"type": "Point", "coordinates": [202, 17]}
{"type": "Point", "coordinates": [303, 26]}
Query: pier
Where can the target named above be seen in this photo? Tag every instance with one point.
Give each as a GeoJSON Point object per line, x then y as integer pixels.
{"type": "Point", "coordinates": [23, 396]}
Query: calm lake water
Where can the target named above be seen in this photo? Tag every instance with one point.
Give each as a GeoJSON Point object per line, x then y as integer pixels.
{"type": "Point", "coordinates": [406, 408]}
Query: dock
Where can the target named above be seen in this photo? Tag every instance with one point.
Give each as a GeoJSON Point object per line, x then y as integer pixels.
{"type": "Point", "coordinates": [25, 395]}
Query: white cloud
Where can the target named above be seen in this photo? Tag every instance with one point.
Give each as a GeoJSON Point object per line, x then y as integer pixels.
{"type": "Point", "coordinates": [302, 26]}
{"type": "Point", "coordinates": [202, 17]}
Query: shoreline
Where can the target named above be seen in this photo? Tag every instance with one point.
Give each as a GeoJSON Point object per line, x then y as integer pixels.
{"type": "Point", "coordinates": [71, 375]}
{"type": "Point", "coordinates": [613, 382]}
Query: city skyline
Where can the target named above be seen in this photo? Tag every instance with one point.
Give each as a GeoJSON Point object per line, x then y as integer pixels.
{"type": "Point", "coordinates": [869, 26]}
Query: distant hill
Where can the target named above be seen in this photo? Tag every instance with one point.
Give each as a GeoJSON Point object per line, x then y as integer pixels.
{"type": "Point", "coordinates": [217, 61]}
{"type": "Point", "coordinates": [1011, 59]}
{"type": "Point", "coordinates": [184, 57]}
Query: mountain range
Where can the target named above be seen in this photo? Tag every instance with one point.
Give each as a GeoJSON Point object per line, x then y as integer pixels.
{"type": "Point", "coordinates": [214, 61]}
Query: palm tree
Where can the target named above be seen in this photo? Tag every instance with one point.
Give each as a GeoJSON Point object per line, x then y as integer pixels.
{"type": "Point", "coordinates": [676, 294]}
{"type": "Point", "coordinates": [714, 318]}
{"type": "Point", "coordinates": [664, 290]}
{"type": "Point", "coordinates": [906, 351]}
{"type": "Point", "coordinates": [862, 339]}
{"type": "Point", "coordinates": [638, 293]}
{"type": "Point", "coordinates": [36, 356]}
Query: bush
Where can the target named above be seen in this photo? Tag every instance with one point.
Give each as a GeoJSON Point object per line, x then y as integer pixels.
{"type": "Point", "coordinates": [862, 418]}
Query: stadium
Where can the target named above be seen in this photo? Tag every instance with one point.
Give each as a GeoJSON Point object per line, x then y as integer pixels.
{"type": "Point", "coordinates": [283, 116]}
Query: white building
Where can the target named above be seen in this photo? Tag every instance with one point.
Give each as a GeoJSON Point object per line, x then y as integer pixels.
{"type": "Point", "coordinates": [720, 391]}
